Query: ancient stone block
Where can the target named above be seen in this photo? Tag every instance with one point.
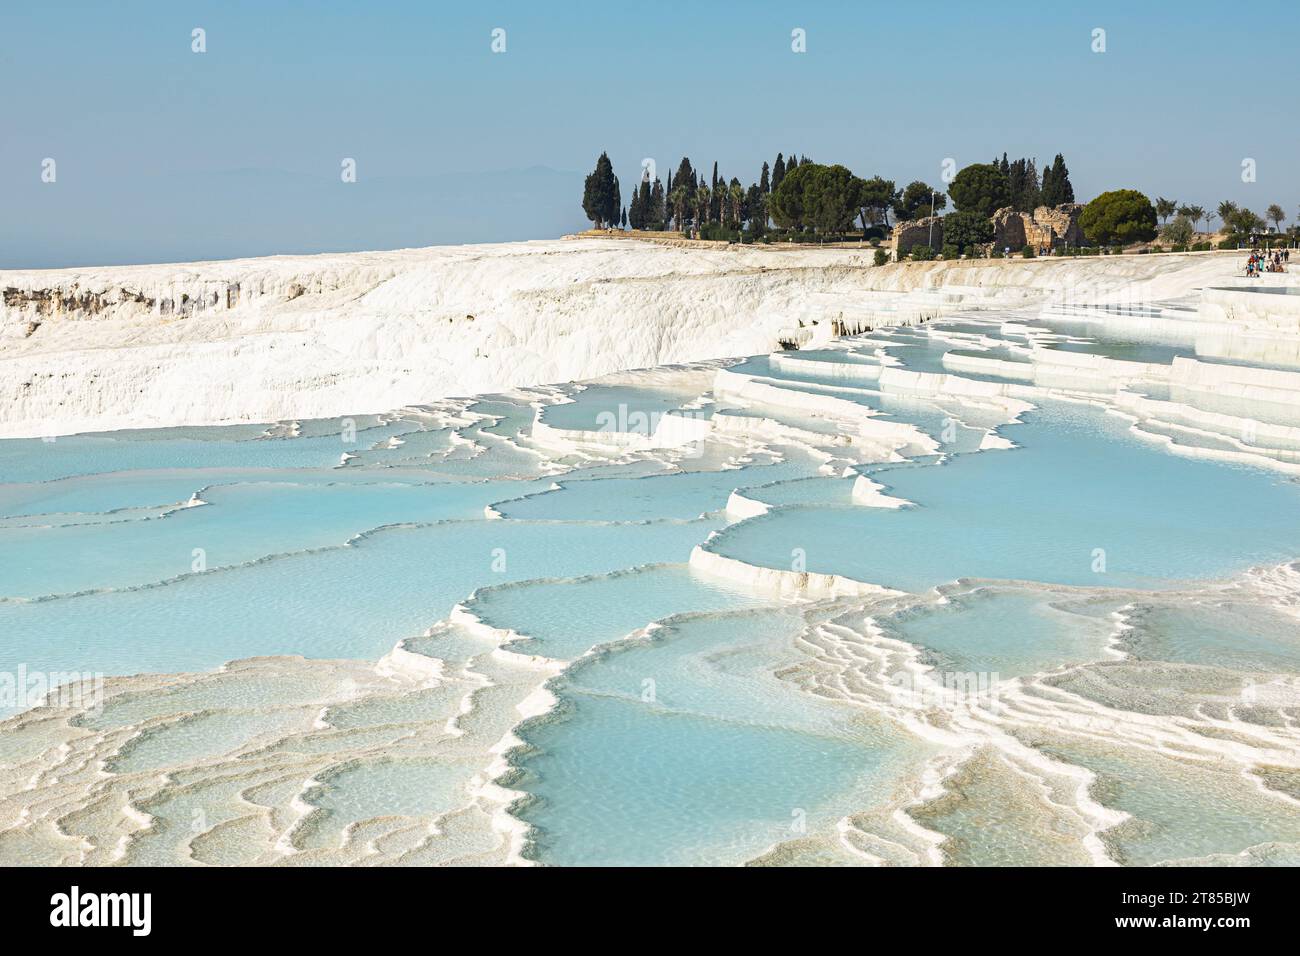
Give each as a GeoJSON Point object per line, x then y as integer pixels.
{"type": "Point", "coordinates": [917, 232]}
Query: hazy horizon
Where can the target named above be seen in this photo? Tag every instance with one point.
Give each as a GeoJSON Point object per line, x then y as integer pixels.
{"type": "Point", "coordinates": [164, 154]}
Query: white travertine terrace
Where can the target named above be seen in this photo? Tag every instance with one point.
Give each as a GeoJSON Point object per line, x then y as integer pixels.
{"type": "Point", "coordinates": [346, 333]}
{"type": "Point", "coordinates": [258, 340]}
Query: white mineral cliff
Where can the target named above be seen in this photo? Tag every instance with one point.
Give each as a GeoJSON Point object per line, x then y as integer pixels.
{"type": "Point", "coordinates": [258, 340]}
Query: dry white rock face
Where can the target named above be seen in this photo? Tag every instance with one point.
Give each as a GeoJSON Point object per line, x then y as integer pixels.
{"type": "Point", "coordinates": [257, 340]}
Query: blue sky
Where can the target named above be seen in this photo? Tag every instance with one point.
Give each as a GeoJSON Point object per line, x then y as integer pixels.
{"type": "Point", "coordinates": [163, 153]}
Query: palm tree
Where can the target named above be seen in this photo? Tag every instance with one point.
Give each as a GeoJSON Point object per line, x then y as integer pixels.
{"type": "Point", "coordinates": [1194, 213]}
{"type": "Point", "coordinates": [1275, 215]}
{"type": "Point", "coordinates": [736, 194]}
{"type": "Point", "coordinates": [1246, 221]}
{"type": "Point", "coordinates": [702, 206]}
{"type": "Point", "coordinates": [1226, 210]}
{"type": "Point", "coordinates": [678, 199]}
{"type": "Point", "coordinates": [1165, 208]}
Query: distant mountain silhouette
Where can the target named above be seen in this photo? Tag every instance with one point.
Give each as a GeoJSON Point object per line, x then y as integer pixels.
{"type": "Point", "coordinates": [255, 212]}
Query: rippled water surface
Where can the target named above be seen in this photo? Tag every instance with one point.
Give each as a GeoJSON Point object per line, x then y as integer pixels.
{"type": "Point", "coordinates": [435, 637]}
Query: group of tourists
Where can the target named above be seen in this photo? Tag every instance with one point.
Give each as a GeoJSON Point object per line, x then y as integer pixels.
{"type": "Point", "coordinates": [1265, 261]}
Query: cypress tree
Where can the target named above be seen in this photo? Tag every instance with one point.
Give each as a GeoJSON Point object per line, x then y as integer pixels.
{"type": "Point", "coordinates": [600, 196]}
{"type": "Point", "coordinates": [1015, 181]}
{"type": "Point", "coordinates": [634, 211]}
{"type": "Point", "coordinates": [1060, 189]}
{"type": "Point", "coordinates": [778, 171]}
{"type": "Point", "coordinates": [1033, 194]}
{"type": "Point", "coordinates": [685, 176]}
{"type": "Point", "coordinates": [1022, 184]}
{"type": "Point", "coordinates": [1062, 181]}
{"type": "Point", "coordinates": [763, 184]}
{"type": "Point", "coordinates": [715, 196]}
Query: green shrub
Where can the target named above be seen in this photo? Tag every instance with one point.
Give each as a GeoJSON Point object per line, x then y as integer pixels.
{"type": "Point", "coordinates": [950, 252]}
{"type": "Point", "coordinates": [966, 229]}
{"type": "Point", "coordinates": [1179, 232]}
{"type": "Point", "coordinates": [1156, 248]}
{"type": "Point", "coordinates": [718, 232]}
{"type": "Point", "coordinates": [881, 257]}
{"type": "Point", "coordinates": [1027, 252]}
{"type": "Point", "coordinates": [922, 253]}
